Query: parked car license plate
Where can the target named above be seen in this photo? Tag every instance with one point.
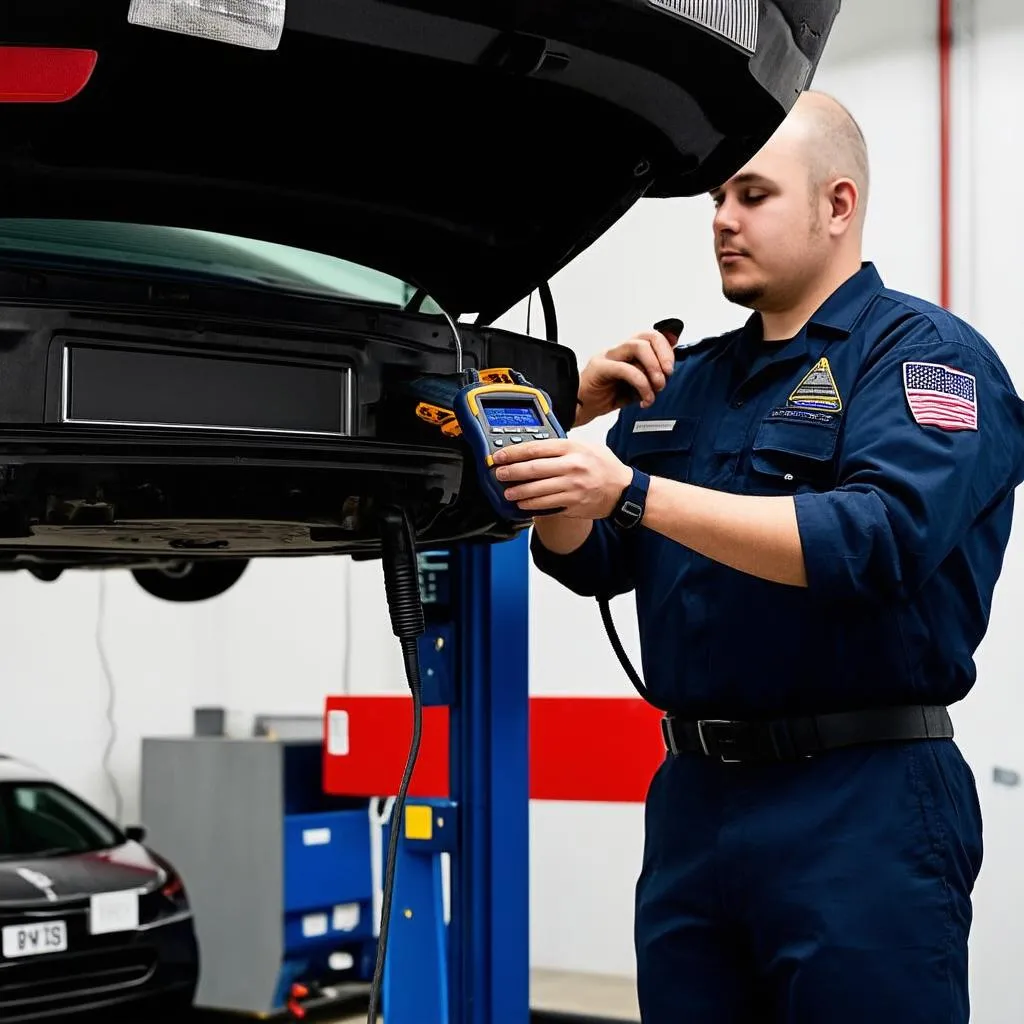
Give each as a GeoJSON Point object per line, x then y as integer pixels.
{"type": "Point", "coordinates": [33, 939]}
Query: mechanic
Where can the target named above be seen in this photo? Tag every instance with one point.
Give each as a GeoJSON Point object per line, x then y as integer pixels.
{"type": "Point", "coordinates": [812, 511]}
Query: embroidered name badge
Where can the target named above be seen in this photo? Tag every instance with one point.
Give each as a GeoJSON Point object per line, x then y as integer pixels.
{"type": "Point", "coordinates": [653, 426]}
{"type": "Point", "coordinates": [940, 396]}
{"type": "Point", "coordinates": [786, 412]}
{"type": "Point", "coordinates": [818, 389]}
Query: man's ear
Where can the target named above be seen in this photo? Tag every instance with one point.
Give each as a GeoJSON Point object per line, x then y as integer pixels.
{"type": "Point", "coordinates": [844, 198]}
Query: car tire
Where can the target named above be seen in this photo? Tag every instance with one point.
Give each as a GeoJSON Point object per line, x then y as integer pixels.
{"type": "Point", "coordinates": [46, 573]}
{"type": "Point", "coordinates": [200, 581]}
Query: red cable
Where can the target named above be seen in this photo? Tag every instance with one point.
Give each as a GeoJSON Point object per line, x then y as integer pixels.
{"type": "Point", "coordinates": [945, 113]}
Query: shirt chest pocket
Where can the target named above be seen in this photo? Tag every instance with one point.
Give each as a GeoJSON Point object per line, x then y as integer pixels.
{"type": "Point", "coordinates": [662, 447]}
{"type": "Point", "coordinates": [788, 456]}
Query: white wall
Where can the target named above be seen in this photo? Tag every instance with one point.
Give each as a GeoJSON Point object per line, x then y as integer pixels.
{"type": "Point", "coordinates": [990, 257]}
{"type": "Point", "coordinates": [275, 643]}
{"type": "Point", "coordinates": [278, 641]}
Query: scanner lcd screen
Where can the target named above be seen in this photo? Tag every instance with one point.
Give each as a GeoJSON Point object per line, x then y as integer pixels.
{"type": "Point", "coordinates": [512, 414]}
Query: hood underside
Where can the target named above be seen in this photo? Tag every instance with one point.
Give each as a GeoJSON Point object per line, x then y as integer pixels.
{"type": "Point", "coordinates": [472, 149]}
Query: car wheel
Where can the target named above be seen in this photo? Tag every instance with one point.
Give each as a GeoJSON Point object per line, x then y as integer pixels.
{"type": "Point", "coordinates": [195, 581]}
{"type": "Point", "coordinates": [46, 573]}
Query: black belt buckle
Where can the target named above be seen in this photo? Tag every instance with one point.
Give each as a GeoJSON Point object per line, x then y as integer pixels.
{"type": "Point", "coordinates": [716, 733]}
{"type": "Point", "coordinates": [669, 736]}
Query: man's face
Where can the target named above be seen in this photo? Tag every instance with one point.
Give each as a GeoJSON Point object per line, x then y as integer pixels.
{"type": "Point", "coordinates": [770, 228]}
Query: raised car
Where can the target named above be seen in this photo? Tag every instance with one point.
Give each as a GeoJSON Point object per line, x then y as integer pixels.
{"type": "Point", "coordinates": [231, 231]}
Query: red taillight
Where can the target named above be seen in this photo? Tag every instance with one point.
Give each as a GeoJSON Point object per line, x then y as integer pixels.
{"type": "Point", "coordinates": [174, 890]}
{"type": "Point", "coordinates": [38, 74]}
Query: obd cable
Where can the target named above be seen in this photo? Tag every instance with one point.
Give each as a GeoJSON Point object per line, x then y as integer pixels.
{"type": "Point", "coordinates": [401, 584]}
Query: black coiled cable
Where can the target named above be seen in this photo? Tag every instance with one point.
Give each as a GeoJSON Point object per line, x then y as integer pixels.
{"type": "Point", "coordinates": [401, 584]}
{"type": "Point", "coordinates": [620, 652]}
{"type": "Point", "coordinates": [401, 575]}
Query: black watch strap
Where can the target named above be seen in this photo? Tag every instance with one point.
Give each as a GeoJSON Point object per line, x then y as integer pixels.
{"type": "Point", "coordinates": [629, 511]}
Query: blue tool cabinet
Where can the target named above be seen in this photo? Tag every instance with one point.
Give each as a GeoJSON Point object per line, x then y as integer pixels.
{"type": "Point", "coordinates": [328, 896]}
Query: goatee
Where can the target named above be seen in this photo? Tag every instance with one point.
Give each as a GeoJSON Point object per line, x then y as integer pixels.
{"type": "Point", "coordinates": [747, 296]}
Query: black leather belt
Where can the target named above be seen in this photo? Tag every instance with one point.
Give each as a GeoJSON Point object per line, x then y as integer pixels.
{"type": "Point", "coordinates": [788, 739]}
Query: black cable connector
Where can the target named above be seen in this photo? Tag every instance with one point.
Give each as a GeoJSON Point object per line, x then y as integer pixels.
{"type": "Point", "coordinates": [401, 574]}
{"type": "Point", "coordinates": [401, 584]}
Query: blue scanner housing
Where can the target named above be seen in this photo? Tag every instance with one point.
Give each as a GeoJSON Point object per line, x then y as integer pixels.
{"type": "Point", "coordinates": [496, 416]}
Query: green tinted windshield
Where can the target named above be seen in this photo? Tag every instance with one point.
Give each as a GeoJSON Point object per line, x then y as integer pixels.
{"type": "Point", "coordinates": [40, 819]}
{"type": "Point", "coordinates": [189, 251]}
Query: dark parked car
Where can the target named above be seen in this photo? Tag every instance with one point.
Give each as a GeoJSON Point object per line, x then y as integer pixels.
{"type": "Point", "coordinates": [225, 249]}
{"type": "Point", "coordinates": [90, 918]}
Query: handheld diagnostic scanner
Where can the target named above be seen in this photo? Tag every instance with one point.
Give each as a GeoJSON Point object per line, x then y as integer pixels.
{"type": "Point", "coordinates": [495, 416]}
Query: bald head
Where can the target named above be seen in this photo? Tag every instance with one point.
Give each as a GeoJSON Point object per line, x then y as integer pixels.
{"type": "Point", "coordinates": [831, 141]}
{"type": "Point", "coordinates": [789, 224]}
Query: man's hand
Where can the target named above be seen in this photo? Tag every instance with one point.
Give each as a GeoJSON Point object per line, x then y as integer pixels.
{"type": "Point", "coordinates": [615, 378]}
{"type": "Point", "coordinates": [583, 479]}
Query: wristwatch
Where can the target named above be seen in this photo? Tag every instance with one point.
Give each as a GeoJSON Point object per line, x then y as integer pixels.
{"type": "Point", "coordinates": [629, 511]}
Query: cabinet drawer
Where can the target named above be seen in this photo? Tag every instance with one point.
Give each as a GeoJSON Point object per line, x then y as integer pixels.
{"type": "Point", "coordinates": [326, 859]}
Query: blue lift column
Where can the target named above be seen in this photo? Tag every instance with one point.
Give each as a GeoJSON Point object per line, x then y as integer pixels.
{"type": "Point", "coordinates": [476, 660]}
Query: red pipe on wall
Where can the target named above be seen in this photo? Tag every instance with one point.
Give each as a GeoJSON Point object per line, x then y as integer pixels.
{"type": "Point", "coordinates": [945, 157]}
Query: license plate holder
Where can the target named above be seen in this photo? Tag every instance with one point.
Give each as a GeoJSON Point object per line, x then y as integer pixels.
{"type": "Point", "coordinates": [107, 385]}
{"type": "Point", "coordinates": [113, 912]}
{"type": "Point", "coordinates": [34, 939]}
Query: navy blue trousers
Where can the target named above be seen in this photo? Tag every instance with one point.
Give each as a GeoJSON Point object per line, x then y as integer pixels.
{"type": "Point", "coordinates": [830, 891]}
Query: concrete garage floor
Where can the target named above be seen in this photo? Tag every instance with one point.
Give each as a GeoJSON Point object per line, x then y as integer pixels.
{"type": "Point", "coordinates": [556, 997]}
{"type": "Point", "coordinates": [594, 995]}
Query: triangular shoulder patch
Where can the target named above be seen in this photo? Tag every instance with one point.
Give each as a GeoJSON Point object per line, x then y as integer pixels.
{"type": "Point", "coordinates": [818, 389]}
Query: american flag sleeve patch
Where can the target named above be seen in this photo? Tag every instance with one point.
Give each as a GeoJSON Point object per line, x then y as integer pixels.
{"type": "Point", "coordinates": [940, 396]}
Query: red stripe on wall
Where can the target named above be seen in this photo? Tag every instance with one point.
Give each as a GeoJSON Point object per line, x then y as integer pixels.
{"type": "Point", "coordinates": [582, 749]}
{"type": "Point", "coordinates": [596, 749]}
{"type": "Point", "coordinates": [378, 732]}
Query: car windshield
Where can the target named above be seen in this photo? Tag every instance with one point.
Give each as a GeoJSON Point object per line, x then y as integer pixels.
{"type": "Point", "coordinates": [189, 252]}
{"type": "Point", "coordinates": [40, 819]}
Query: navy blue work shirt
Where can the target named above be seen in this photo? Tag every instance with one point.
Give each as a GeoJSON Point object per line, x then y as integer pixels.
{"type": "Point", "coordinates": [899, 433]}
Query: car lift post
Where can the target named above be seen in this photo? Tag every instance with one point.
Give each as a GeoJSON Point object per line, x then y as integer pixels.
{"type": "Point", "coordinates": [475, 970]}
{"type": "Point", "coordinates": [487, 749]}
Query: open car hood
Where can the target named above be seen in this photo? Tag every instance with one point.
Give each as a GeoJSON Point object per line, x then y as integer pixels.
{"type": "Point", "coordinates": [469, 148]}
